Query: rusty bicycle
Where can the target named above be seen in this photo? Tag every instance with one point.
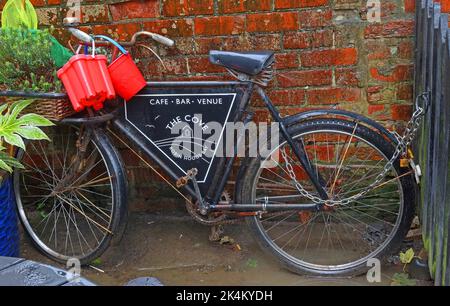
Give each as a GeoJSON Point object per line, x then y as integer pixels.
{"type": "Point", "coordinates": [332, 194]}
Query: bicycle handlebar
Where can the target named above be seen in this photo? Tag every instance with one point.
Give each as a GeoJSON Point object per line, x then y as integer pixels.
{"type": "Point", "coordinates": [162, 40]}
{"type": "Point", "coordinates": [84, 37]}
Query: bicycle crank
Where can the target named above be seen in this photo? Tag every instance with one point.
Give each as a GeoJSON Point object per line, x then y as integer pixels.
{"type": "Point", "coordinates": [211, 219]}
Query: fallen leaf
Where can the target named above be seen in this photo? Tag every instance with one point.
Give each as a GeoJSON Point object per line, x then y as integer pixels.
{"type": "Point", "coordinates": [407, 257]}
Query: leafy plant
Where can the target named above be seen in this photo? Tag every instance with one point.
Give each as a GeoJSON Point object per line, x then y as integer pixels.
{"type": "Point", "coordinates": [407, 257]}
{"type": "Point", "coordinates": [26, 63]}
{"type": "Point", "coordinates": [14, 128]}
{"type": "Point", "coordinates": [402, 279]}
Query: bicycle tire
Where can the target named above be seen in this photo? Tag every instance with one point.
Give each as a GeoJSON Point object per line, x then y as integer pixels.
{"type": "Point", "coordinates": [119, 214]}
{"type": "Point", "coordinates": [244, 192]}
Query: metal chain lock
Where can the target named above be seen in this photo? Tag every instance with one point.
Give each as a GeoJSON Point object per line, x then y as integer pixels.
{"type": "Point", "coordinates": [403, 143]}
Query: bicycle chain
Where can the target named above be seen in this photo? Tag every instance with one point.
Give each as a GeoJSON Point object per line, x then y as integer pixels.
{"type": "Point", "coordinates": [403, 144]}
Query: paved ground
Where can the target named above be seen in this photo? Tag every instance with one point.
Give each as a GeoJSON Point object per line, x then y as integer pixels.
{"type": "Point", "coordinates": [177, 250]}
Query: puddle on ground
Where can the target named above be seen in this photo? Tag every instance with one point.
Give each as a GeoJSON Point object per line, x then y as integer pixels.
{"type": "Point", "coordinates": [177, 251]}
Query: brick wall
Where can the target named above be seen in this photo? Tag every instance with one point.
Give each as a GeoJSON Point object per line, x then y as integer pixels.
{"type": "Point", "coordinates": [327, 52]}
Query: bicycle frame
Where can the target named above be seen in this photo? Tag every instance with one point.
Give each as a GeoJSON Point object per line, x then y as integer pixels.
{"type": "Point", "coordinates": [223, 167]}
{"type": "Point", "coordinates": [214, 184]}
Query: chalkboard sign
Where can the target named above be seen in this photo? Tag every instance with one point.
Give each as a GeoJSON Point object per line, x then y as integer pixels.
{"type": "Point", "coordinates": [184, 127]}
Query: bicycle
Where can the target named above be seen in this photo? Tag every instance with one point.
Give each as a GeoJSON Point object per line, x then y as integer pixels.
{"type": "Point", "coordinates": [333, 193]}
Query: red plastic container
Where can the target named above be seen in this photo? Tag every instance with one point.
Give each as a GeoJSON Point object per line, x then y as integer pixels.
{"type": "Point", "coordinates": [126, 77]}
{"type": "Point", "coordinates": [87, 81]}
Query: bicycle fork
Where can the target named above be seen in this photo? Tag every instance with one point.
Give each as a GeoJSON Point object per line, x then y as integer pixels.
{"type": "Point", "coordinates": [300, 152]}
{"type": "Point", "coordinates": [298, 148]}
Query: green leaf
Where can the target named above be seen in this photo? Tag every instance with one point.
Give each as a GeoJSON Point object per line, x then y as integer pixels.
{"type": "Point", "coordinates": [402, 279]}
{"type": "Point", "coordinates": [407, 257]}
{"type": "Point", "coordinates": [32, 133]}
{"type": "Point", "coordinates": [18, 107]}
{"type": "Point", "coordinates": [14, 140]}
{"type": "Point", "coordinates": [5, 167]}
{"type": "Point", "coordinates": [35, 120]}
{"type": "Point", "coordinates": [11, 161]}
{"type": "Point", "coordinates": [3, 107]}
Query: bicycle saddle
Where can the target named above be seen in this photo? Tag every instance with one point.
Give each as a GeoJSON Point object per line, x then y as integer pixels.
{"type": "Point", "coordinates": [251, 63]}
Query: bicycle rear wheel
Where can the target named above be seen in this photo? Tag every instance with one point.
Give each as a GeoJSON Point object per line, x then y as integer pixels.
{"type": "Point", "coordinates": [338, 240]}
{"type": "Point", "coordinates": [71, 196]}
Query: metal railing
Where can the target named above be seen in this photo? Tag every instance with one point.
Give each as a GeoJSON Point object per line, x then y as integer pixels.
{"type": "Point", "coordinates": [432, 76]}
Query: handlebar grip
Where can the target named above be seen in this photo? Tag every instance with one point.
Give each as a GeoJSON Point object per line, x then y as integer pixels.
{"type": "Point", "coordinates": [163, 40]}
{"type": "Point", "coordinates": [81, 35]}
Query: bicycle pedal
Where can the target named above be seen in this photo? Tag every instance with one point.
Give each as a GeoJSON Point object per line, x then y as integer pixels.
{"type": "Point", "coordinates": [182, 181]}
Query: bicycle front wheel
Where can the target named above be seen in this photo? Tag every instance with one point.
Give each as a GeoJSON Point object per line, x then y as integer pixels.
{"type": "Point", "coordinates": [71, 196]}
{"type": "Point", "coordinates": [339, 240]}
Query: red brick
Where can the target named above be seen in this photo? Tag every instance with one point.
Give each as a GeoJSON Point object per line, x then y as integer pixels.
{"type": "Point", "coordinates": [377, 49]}
{"type": "Point", "coordinates": [37, 3]}
{"type": "Point", "coordinates": [297, 40]}
{"type": "Point", "coordinates": [347, 77]}
{"type": "Point", "coordinates": [204, 44]}
{"type": "Point", "coordinates": [289, 111]}
{"type": "Point", "coordinates": [95, 14]}
{"type": "Point", "coordinates": [374, 94]}
{"type": "Point", "coordinates": [223, 25]}
{"type": "Point", "coordinates": [171, 28]}
{"type": "Point", "coordinates": [272, 22]}
{"type": "Point", "coordinates": [305, 40]}
{"type": "Point", "coordinates": [410, 6]}
{"type": "Point", "coordinates": [240, 6]}
{"type": "Point", "coordinates": [286, 4]}
{"type": "Point", "coordinates": [287, 97]}
{"type": "Point", "coordinates": [265, 42]}
{"type": "Point", "coordinates": [304, 78]}
{"type": "Point", "coordinates": [315, 19]}
{"type": "Point", "coordinates": [203, 65]}
{"type": "Point", "coordinates": [286, 60]}
{"type": "Point", "coordinates": [374, 89]}
{"type": "Point", "coordinates": [174, 66]}
{"type": "Point", "coordinates": [135, 9]}
{"type": "Point", "coordinates": [236, 43]}
{"type": "Point", "coordinates": [377, 108]}
{"type": "Point", "coordinates": [396, 28]}
{"type": "Point", "coordinates": [397, 74]}
{"type": "Point", "coordinates": [332, 57]}
{"type": "Point", "coordinates": [445, 5]}
{"type": "Point", "coordinates": [401, 112]}
{"type": "Point", "coordinates": [406, 50]}
{"type": "Point", "coordinates": [174, 8]}
{"type": "Point", "coordinates": [239, 43]}
{"type": "Point", "coordinates": [404, 92]}
{"type": "Point", "coordinates": [118, 31]}
{"type": "Point", "coordinates": [333, 95]}
{"type": "Point", "coordinates": [388, 9]}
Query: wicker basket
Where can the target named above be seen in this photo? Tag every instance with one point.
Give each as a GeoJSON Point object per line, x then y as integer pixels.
{"type": "Point", "coordinates": [52, 109]}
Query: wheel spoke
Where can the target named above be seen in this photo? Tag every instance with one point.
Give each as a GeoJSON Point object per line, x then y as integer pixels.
{"type": "Point", "coordinates": [339, 236]}
{"type": "Point", "coordinates": [68, 210]}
